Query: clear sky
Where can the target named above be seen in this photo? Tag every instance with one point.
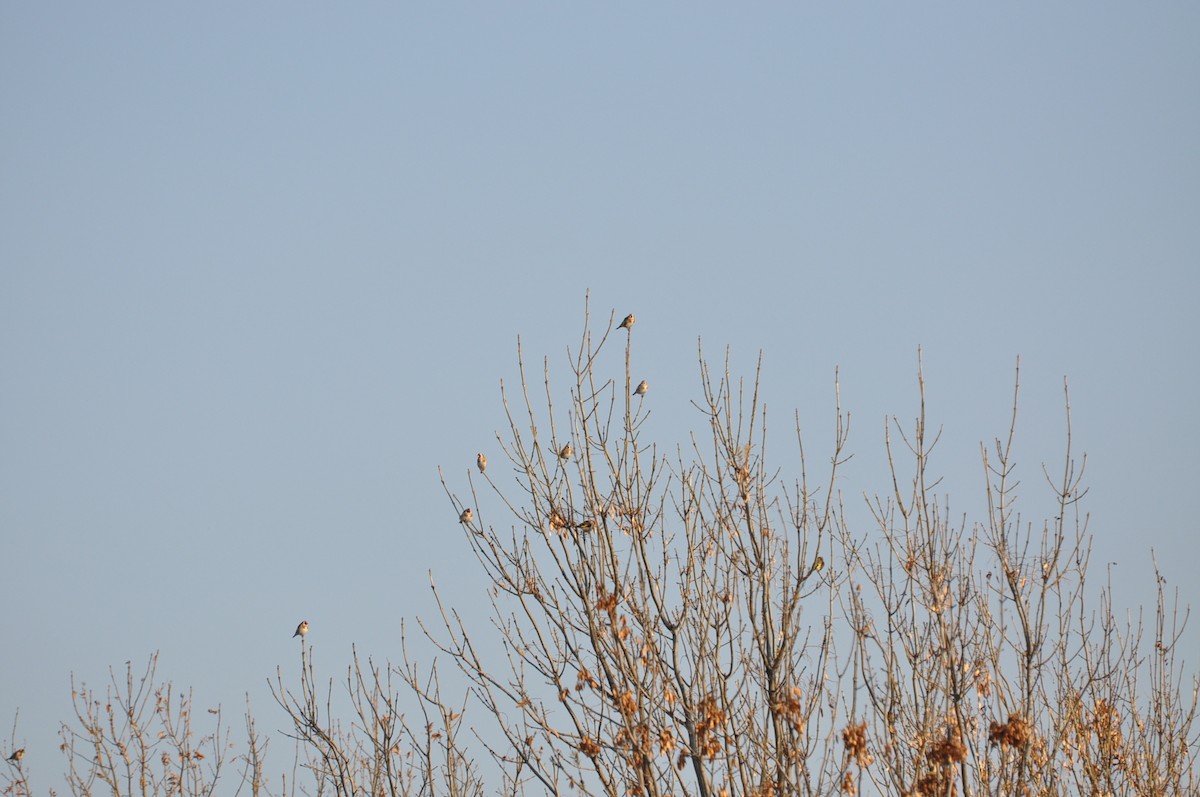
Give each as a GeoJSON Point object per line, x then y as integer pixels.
{"type": "Point", "coordinates": [263, 266]}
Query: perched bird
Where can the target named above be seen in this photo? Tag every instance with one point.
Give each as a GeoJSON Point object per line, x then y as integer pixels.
{"type": "Point", "coordinates": [467, 516]}
{"type": "Point", "coordinates": [585, 526]}
{"type": "Point", "coordinates": [17, 756]}
{"type": "Point", "coordinates": [817, 565]}
{"type": "Point", "coordinates": [565, 452]}
{"type": "Point", "coordinates": [628, 322]}
{"type": "Point", "coordinates": [301, 629]}
{"type": "Point", "coordinates": [481, 461]}
{"type": "Point", "coordinates": [642, 387]}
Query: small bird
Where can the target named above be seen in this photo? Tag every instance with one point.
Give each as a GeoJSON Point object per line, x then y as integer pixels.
{"type": "Point", "coordinates": [301, 629]}
{"type": "Point", "coordinates": [481, 461]}
{"type": "Point", "coordinates": [642, 387]}
{"type": "Point", "coordinates": [467, 516]}
{"type": "Point", "coordinates": [585, 526]}
{"type": "Point", "coordinates": [17, 756]}
{"type": "Point", "coordinates": [817, 565]}
{"type": "Point", "coordinates": [628, 322]}
{"type": "Point", "coordinates": [565, 452]}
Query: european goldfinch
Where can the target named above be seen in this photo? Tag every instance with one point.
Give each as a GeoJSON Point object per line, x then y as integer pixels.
{"type": "Point", "coordinates": [628, 322]}
{"type": "Point", "coordinates": [301, 629]}
{"type": "Point", "coordinates": [642, 387]}
{"type": "Point", "coordinates": [481, 461]}
{"type": "Point", "coordinates": [467, 516]}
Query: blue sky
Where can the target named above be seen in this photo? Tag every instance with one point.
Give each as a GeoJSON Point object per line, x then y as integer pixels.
{"type": "Point", "coordinates": [262, 269]}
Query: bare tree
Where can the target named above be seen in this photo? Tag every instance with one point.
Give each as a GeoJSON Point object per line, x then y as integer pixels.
{"type": "Point", "coordinates": [670, 625]}
{"type": "Point", "coordinates": [139, 738]}
{"type": "Point", "coordinates": [686, 621]}
{"type": "Point", "coordinates": [378, 751]}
